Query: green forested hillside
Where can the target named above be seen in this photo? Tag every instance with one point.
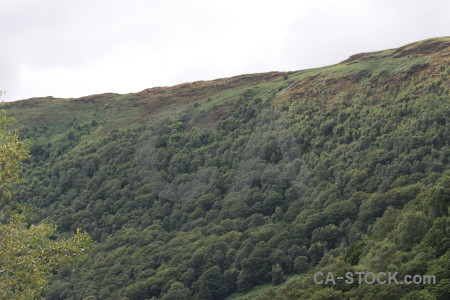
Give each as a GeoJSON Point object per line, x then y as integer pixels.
{"type": "Point", "coordinates": [202, 190]}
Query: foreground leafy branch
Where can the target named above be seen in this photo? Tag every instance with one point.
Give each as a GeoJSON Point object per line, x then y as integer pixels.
{"type": "Point", "coordinates": [12, 152]}
{"type": "Point", "coordinates": [28, 253]}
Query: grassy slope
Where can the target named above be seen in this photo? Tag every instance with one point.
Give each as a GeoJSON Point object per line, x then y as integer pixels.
{"type": "Point", "coordinates": [389, 69]}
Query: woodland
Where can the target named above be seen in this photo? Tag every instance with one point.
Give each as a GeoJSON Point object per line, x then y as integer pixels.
{"type": "Point", "coordinates": [243, 188]}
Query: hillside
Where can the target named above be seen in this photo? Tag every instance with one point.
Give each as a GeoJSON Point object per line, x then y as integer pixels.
{"type": "Point", "coordinates": [206, 189]}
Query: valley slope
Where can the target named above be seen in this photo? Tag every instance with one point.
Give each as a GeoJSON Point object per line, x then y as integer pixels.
{"type": "Point", "coordinates": [206, 189]}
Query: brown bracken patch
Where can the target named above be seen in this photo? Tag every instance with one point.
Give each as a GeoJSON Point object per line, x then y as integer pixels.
{"type": "Point", "coordinates": [426, 47]}
{"type": "Point", "coordinates": [152, 100]}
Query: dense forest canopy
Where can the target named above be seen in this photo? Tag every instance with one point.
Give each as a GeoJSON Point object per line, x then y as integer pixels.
{"type": "Point", "coordinates": [210, 189]}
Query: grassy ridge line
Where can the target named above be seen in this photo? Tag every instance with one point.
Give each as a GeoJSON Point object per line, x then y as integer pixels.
{"type": "Point", "coordinates": [357, 72]}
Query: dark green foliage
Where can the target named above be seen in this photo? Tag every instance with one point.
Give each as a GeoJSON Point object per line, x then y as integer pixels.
{"type": "Point", "coordinates": [277, 274]}
{"type": "Point", "coordinates": [301, 264]}
{"type": "Point", "coordinates": [210, 285]}
{"type": "Point", "coordinates": [271, 153]}
{"type": "Point", "coordinates": [177, 292]}
{"type": "Point", "coordinates": [353, 252]}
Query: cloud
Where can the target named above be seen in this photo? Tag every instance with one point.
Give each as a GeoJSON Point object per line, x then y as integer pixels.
{"type": "Point", "coordinates": [78, 47]}
{"type": "Point", "coordinates": [330, 32]}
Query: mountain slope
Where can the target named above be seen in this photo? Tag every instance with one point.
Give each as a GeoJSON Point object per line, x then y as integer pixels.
{"type": "Point", "coordinates": [200, 190]}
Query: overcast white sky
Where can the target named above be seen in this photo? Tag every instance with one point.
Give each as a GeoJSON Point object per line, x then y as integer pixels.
{"type": "Point", "coordinates": [73, 48]}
